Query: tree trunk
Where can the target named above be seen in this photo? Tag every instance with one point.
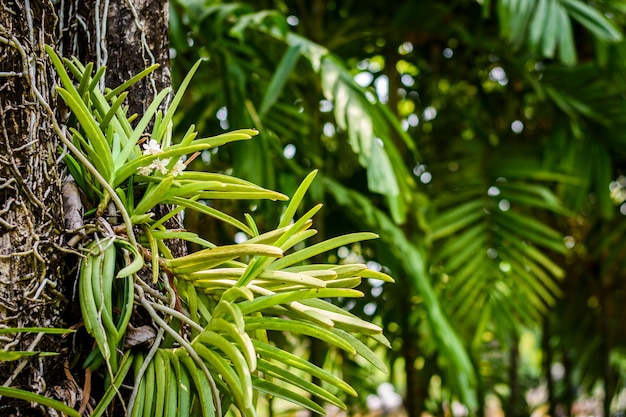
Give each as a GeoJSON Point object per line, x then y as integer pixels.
{"type": "Point", "coordinates": [125, 36]}
{"type": "Point", "coordinates": [514, 407]}
{"type": "Point", "coordinates": [547, 365]}
{"type": "Point", "coordinates": [37, 266]}
{"type": "Point", "coordinates": [416, 381]}
{"type": "Point", "coordinates": [33, 277]}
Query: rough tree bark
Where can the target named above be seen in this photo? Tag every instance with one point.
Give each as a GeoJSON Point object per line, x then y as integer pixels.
{"type": "Point", "coordinates": [36, 275]}
{"type": "Point", "coordinates": [125, 36]}
{"type": "Point", "coordinates": [32, 273]}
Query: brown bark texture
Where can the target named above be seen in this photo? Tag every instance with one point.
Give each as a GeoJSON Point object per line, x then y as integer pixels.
{"type": "Point", "coordinates": [37, 265]}
{"type": "Point", "coordinates": [32, 272]}
{"type": "Point", "coordinates": [123, 35]}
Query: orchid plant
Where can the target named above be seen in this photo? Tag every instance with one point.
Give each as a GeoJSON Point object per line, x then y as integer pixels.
{"type": "Point", "coordinates": [211, 316]}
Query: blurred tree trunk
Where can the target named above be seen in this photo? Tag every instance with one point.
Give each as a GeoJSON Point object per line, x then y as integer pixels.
{"type": "Point", "coordinates": [416, 381]}
{"type": "Point", "coordinates": [547, 365]}
{"type": "Point", "coordinates": [514, 406]}
{"type": "Point", "coordinates": [37, 267]}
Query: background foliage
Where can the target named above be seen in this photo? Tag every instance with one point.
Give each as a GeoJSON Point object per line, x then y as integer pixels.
{"type": "Point", "coordinates": [483, 141]}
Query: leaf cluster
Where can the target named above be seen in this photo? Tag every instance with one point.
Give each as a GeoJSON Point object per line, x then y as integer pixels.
{"type": "Point", "coordinates": [213, 313]}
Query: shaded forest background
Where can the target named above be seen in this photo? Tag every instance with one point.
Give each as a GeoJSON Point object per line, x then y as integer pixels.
{"type": "Point", "coordinates": [483, 141]}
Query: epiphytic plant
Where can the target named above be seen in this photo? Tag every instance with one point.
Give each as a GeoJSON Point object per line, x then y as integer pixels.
{"type": "Point", "coordinates": [209, 316]}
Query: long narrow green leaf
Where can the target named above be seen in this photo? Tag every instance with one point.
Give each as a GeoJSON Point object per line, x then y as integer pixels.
{"type": "Point", "coordinates": [163, 126]}
{"type": "Point", "coordinates": [551, 32]}
{"type": "Point", "coordinates": [567, 48]}
{"type": "Point", "coordinates": [268, 388]}
{"type": "Point", "coordinates": [538, 24]}
{"type": "Point", "coordinates": [296, 200]}
{"type": "Point", "coordinates": [132, 81]}
{"type": "Point", "coordinates": [240, 390]}
{"type": "Point", "coordinates": [242, 378]}
{"type": "Point", "coordinates": [200, 381]}
{"type": "Point", "coordinates": [40, 399]}
{"type": "Point", "coordinates": [524, 232]}
{"type": "Point", "coordinates": [122, 173]}
{"type": "Point", "coordinates": [275, 87]}
{"type": "Point", "coordinates": [239, 336]}
{"type": "Point", "coordinates": [261, 303]}
{"type": "Point", "coordinates": [129, 146]}
{"type": "Point", "coordinates": [362, 349]}
{"type": "Point", "coordinates": [209, 258]}
{"type": "Point", "coordinates": [92, 130]}
{"type": "Point", "coordinates": [534, 254]}
{"type": "Point", "coordinates": [209, 211]}
{"type": "Point", "coordinates": [269, 369]}
{"type": "Point", "coordinates": [115, 106]}
{"type": "Point", "coordinates": [47, 330]}
{"type": "Point", "coordinates": [460, 242]}
{"type": "Point", "coordinates": [111, 391]}
{"type": "Point", "coordinates": [269, 276]}
{"type": "Point", "coordinates": [593, 20]}
{"type": "Point", "coordinates": [321, 247]}
{"type": "Point", "coordinates": [456, 219]}
{"type": "Point", "coordinates": [309, 329]}
{"type": "Point", "coordinates": [266, 350]}
{"type": "Point", "coordinates": [153, 196]}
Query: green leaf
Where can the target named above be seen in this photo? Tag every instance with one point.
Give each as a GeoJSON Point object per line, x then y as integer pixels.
{"type": "Point", "coordinates": [18, 354]}
{"type": "Point", "coordinates": [132, 81]}
{"type": "Point", "coordinates": [40, 399]}
{"type": "Point", "coordinates": [153, 196]}
{"type": "Point", "coordinates": [551, 31]}
{"type": "Point", "coordinates": [268, 388]}
{"type": "Point", "coordinates": [92, 130]}
{"type": "Point", "coordinates": [300, 327]}
{"type": "Point", "coordinates": [136, 264]}
{"type": "Point", "coordinates": [237, 333]}
{"type": "Point", "coordinates": [261, 303]}
{"type": "Point", "coordinates": [112, 390]}
{"type": "Point", "coordinates": [538, 24]}
{"type": "Point", "coordinates": [209, 211]}
{"type": "Point", "coordinates": [266, 350]}
{"type": "Point", "coordinates": [362, 349]}
{"type": "Point", "coordinates": [163, 126]}
{"type": "Point", "coordinates": [567, 48]}
{"type": "Point", "coordinates": [593, 20]}
{"type": "Point", "coordinates": [321, 247]}
{"type": "Point", "coordinates": [241, 390]}
{"type": "Point", "coordinates": [208, 258]}
{"type": "Point", "coordinates": [275, 371]}
{"type": "Point", "coordinates": [267, 276]}
{"type": "Point", "coordinates": [457, 218]}
{"type": "Point", "coordinates": [130, 146]}
{"type": "Point", "coordinates": [115, 106]}
{"type": "Point", "coordinates": [290, 212]}
{"type": "Point", "coordinates": [242, 379]}
{"type": "Point", "coordinates": [174, 151]}
{"type": "Point", "coordinates": [47, 330]}
{"type": "Point", "coordinates": [380, 174]}
{"type": "Point", "coordinates": [277, 83]}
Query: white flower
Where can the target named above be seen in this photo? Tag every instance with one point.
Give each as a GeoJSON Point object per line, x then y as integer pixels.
{"type": "Point", "coordinates": [161, 165]}
{"type": "Point", "coordinates": [178, 168]}
{"type": "Point", "coordinates": [152, 148]}
{"type": "Point", "coordinates": [146, 170]}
